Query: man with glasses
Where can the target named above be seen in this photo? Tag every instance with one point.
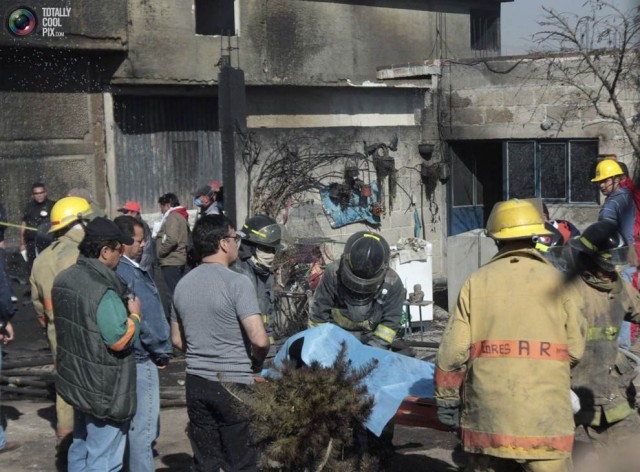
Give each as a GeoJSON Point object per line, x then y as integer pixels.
{"type": "Point", "coordinates": [216, 318]}
{"type": "Point", "coordinates": [96, 325]}
{"type": "Point", "coordinates": [35, 214]}
{"type": "Point", "coordinates": [152, 348]}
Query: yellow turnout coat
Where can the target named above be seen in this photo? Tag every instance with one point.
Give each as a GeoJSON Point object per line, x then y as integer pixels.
{"type": "Point", "coordinates": [505, 358]}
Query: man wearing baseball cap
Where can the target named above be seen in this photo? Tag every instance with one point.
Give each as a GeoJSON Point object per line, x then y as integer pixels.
{"type": "Point", "coordinates": [207, 198]}
{"type": "Point", "coordinates": [148, 259]}
{"type": "Point", "coordinates": [96, 325]}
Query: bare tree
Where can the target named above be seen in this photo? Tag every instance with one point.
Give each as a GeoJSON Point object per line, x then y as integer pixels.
{"type": "Point", "coordinates": [599, 56]}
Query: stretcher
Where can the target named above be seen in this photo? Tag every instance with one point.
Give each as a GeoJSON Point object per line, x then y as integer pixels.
{"type": "Point", "coordinates": [418, 412]}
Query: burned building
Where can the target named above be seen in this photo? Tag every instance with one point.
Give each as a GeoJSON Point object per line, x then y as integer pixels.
{"type": "Point", "coordinates": [132, 98]}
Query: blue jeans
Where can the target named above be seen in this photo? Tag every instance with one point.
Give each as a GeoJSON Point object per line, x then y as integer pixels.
{"type": "Point", "coordinates": [2, 441]}
{"type": "Point", "coordinates": [624, 338]}
{"type": "Point", "coordinates": [98, 445]}
{"type": "Point", "coordinates": [172, 275]}
{"type": "Point", "coordinates": [145, 425]}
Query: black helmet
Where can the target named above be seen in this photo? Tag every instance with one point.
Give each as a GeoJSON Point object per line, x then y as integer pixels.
{"type": "Point", "coordinates": [602, 244]}
{"type": "Point", "coordinates": [262, 230]}
{"type": "Point", "coordinates": [364, 262]}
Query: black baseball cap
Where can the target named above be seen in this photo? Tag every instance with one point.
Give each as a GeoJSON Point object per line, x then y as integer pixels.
{"type": "Point", "coordinates": [204, 190]}
{"type": "Point", "coordinates": [103, 229]}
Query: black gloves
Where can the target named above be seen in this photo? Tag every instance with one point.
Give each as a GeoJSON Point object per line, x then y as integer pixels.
{"type": "Point", "coordinates": [449, 416]}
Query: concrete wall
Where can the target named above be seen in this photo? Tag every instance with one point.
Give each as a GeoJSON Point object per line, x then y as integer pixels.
{"type": "Point", "coordinates": [512, 99]}
{"type": "Point", "coordinates": [395, 223]}
{"type": "Point", "coordinates": [339, 41]}
{"type": "Point", "coordinates": [61, 146]}
{"type": "Point", "coordinates": [292, 42]}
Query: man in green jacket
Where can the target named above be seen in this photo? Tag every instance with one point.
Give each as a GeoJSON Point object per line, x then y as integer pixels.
{"type": "Point", "coordinates": [96, 329]}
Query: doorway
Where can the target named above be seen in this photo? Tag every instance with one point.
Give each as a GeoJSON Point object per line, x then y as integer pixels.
{"type": "Point", "coordinates": [476, 183]}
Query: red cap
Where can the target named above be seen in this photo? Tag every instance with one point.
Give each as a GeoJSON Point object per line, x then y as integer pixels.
{"type": "Point", "coordinates": [130, 206]}
{"type": "Point", "coordinates": [215, 185]}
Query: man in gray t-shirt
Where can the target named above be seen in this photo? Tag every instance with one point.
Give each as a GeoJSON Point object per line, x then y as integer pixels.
{"type": "Point", "coordinates": [216, 320]}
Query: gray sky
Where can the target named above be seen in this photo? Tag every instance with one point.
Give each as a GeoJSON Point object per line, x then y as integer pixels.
{"type": "Point", "coordinates": [519, 20]}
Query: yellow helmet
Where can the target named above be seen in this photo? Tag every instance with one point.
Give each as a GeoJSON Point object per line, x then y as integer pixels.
{"type": "Point", "coordinates": [516, 219]}
{"type": "Point", "coordinates": [68, 210]}
{"type": "Point", "coordinates": [607, 168]}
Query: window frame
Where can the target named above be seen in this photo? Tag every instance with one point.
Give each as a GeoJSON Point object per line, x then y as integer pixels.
{"type": "Point", "coordinates": [236, 20]}
{"type": "Point", "coordinates": [537, 145]}
{"type": "Point", "coordinates": [476, 16]}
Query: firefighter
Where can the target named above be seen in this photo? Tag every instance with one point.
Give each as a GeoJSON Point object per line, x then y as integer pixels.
{"type": "Point", "coordinates": [619, 205]}
{"type": "Point", "coordinates": [603, 378]}
{"type": "Point", "coordinates": [260, 243]}
{"type": "Point", "coordinates": [509, 345]}
{"type": "Point", "coordinates": [361, 293]}
{"type": "Point", "coordinates": [66, 216]}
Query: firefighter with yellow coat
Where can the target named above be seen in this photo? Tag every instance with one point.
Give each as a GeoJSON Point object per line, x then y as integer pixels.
{"type": "Point", "coordinates": [62, 253]}
{"type": "Point", "coordinates": [503, 366]}
{"type": "Point", "coordinates": [603, 380]}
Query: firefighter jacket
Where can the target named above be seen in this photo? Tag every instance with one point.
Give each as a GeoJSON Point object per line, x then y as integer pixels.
{"type": "Point", "coordinates": [61, 254]}
{"type": "Point", "coordinates": [263, 281]}
{"type": "Point", "coordinates": [509, 344]}
{"type": "Point", "coordinates": [378, 319]}
{"type": "Point", "coordinates": [603, 378]}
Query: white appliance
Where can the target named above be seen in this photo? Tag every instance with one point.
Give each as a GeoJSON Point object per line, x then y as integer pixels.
{"type": "Point", "coordinates": [418, 272]}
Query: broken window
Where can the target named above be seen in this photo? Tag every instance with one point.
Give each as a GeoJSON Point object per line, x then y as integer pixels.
{"type": "Point", "coordinates": [521, 169]}
{"type": "Point", "coordinates": [557, 171]}
{"type": "Point", "coordinates": [553, 170]}
{"type": "Point", "coordinates": [485, 30]}
{"type": "Point", "coordinates": [215, 17]}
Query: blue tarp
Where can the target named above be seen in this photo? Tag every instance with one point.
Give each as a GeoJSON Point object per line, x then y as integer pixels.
{"type": "Point", "coordinates": [354, 212]}
{"type": "Point", "coordinates": [396, 376]}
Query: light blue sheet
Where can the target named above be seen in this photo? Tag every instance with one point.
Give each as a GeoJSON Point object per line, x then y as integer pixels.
{"type": "Point", "coordinates": [396, 376]}
{"type": "Point", "coordinates": [353, 213]}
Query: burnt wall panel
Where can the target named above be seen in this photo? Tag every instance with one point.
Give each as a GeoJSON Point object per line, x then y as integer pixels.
{"type": "Point", "coordinates": [165, 144]}
{"type": "Point", "coordinates": [335, 41]}
{"type": "Point", "coordinates": [293, 42]}
{"type": "Point", "coordinates": [58, 173]}
{"type": "Point", "coordinates": [36, 111]}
